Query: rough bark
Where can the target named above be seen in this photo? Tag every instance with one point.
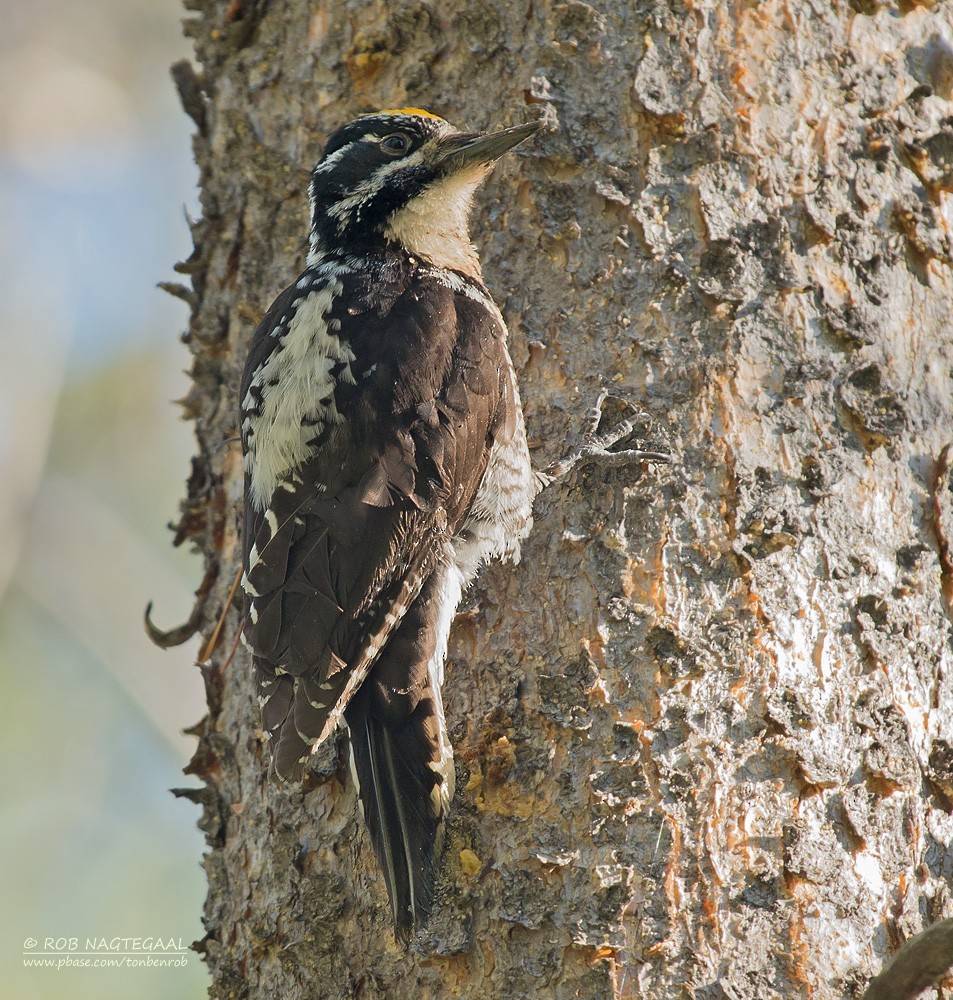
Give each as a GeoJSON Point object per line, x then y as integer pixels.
{"type": "Point", "coordinates": [703, 731]}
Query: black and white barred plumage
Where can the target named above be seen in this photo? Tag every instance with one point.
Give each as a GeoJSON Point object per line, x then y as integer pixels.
{"type": "Point", "coordinates": [385, 461]}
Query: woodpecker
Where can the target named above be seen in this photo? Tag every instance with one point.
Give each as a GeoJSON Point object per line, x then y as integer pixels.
{"type": "Point", "coordinates": [385, 461]}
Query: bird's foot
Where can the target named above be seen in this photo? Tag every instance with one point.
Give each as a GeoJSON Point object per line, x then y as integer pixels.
{"type": "Point", "coordinates": [599, 449]}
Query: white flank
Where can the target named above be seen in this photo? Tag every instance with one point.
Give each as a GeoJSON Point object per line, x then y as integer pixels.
{"type": "Point", "coordinates": [502, 512]}
{"type": "Point", "coordinates": [451, 590]}
{"type": "Point", "coordinates": [353, 767]}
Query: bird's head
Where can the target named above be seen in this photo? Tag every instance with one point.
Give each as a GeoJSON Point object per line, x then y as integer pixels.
{"type": "Point", "coordinates": [404, 177]}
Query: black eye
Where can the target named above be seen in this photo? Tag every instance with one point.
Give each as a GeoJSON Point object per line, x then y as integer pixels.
{"type": "Point", "coordinates": [395, 144]}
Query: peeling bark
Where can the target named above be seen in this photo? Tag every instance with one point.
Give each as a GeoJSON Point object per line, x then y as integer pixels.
{"type": "Point", "coordinates": [703, 731]}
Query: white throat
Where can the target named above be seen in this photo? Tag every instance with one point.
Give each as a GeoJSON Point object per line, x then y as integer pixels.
{"type": "Point", "coordinates": [435, 223]}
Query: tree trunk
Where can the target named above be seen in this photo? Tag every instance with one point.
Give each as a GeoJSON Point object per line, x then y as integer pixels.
{"type": "Point", "coordinates": [704, 731]}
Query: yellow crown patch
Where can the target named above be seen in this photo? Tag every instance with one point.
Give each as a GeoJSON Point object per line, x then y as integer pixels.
{"type": "Point", "coordinates": [410, 111]}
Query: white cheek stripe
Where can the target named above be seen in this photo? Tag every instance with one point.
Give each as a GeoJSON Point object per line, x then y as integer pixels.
{"type": "Point", "coordinates": [330, 161]}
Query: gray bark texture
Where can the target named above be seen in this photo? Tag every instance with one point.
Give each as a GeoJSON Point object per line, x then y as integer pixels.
{"type": "Point", "coordinates": [704, 731]}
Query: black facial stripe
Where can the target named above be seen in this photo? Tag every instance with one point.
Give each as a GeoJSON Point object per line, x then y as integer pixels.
{"type": "Point", "coordinates": [400, 187]}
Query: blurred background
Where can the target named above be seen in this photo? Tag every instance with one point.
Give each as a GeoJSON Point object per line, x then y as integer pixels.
{"type": "Point", "coordinates": [95, 178]}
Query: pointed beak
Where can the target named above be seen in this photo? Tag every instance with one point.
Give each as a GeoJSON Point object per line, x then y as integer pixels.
{"type": "Point", "coordinates": [469, 150]}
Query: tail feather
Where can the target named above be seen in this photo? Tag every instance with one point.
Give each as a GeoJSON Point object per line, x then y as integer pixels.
{"type": "Point", "coordinates": [400, 754]}
{"type": "Point", "coordinates": [404, 795]}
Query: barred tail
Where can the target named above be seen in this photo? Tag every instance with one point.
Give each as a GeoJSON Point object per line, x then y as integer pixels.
{"type": "Point", "coordinates": [400, 755]}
